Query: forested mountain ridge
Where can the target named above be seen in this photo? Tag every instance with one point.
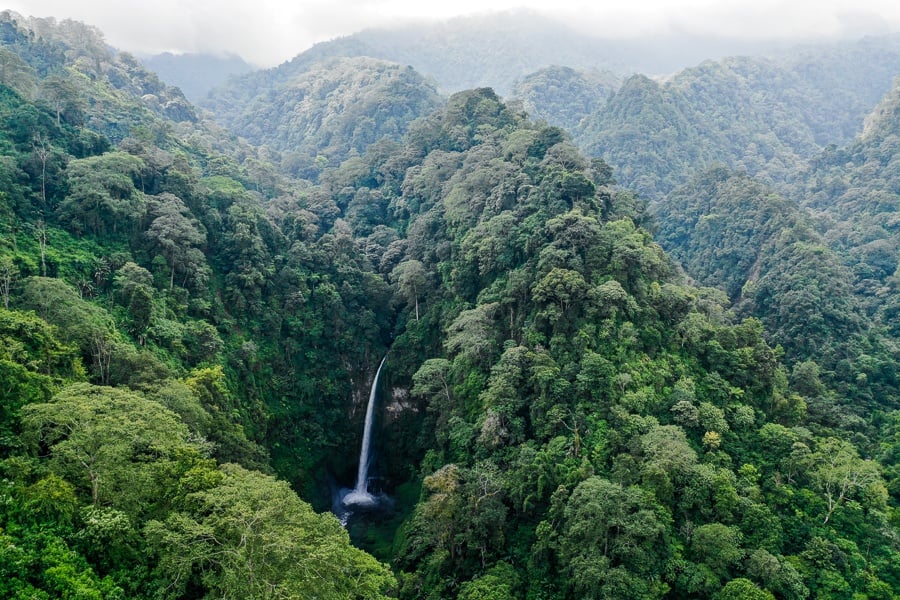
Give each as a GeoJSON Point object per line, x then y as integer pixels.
{"type": "Point", "coordinates": [563, 96]}
{"type": "Point", "coordinates": [832, 248]}
{"type": "Point", "coordinates": [49, 52]}
{"type": "Point", "coordinates": [570, 419]}
{"type": "Point", "coordinates": [326, 111]}
{"type": "Point", "coordinates": [769, 254]}
{"type": "Point", "coordinates": [766, 116]}
{"type": "Point", "coordinates": [497, 49]}
{"type": "Point", "coordinates": [857, 189]}
{"type": "Point", "coordinates": [818, 266]}
{"type": "Point", "coordinates": [467, 52]}
{"type": "Point", "coordinates": [577, 384]}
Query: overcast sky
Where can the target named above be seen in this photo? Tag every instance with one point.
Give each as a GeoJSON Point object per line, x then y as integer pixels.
{"type": "Point", "coordinates": [268, 32]}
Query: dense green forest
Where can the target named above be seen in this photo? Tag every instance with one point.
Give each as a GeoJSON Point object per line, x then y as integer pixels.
{"type": "Point", "coordinates": [325, 112]}
{"type": "Point", "coordinates": [564, 96]}
{"type": "Point", "coordinates": [191, 322]}
{"type": "Point", "coordinates": [766, 116]}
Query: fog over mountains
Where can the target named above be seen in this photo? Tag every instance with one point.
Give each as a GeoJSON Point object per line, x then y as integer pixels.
{"type": "Point", "coordinates": [496, 50]}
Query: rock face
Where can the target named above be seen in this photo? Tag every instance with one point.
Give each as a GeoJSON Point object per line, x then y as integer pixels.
{"type": "Point", "coordinates": [400, 402]}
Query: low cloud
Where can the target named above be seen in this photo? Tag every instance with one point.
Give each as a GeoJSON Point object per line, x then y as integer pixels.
{"type": "Point", "coordinates": [267, 32]}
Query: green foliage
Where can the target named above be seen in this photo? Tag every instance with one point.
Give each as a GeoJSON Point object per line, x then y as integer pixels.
{"type": "Point", "coordinates": [566, 417]}
{"type": "Point", "coordinates": [102, 195]}
{"type": "Point", "coordinates": [730, 231]}
{"type": "Point", "coordinates": [742, 589]}
{"type": "Point", "coordinates": [564, 96]}
{"type": "Point", "coordinates": [101, 438]}
{"type": "Point", "coordinates": [249, 536]}
{"type": "Point", "coordinates": [33, 362]}
{"type": "Point", "coordinates": [499, 583]}
{"type": "Point", "coordinates": [328, 110]}
{"type": "Point", "coordinates": [612, 540]}
{"type": "Point", "coordinates": [767, 117]}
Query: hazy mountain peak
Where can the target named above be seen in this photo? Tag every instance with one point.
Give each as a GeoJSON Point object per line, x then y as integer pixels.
{"type": "Point", "coordinates": [196, 74]}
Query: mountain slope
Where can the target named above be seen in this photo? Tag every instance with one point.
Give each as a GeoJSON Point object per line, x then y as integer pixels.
{"type": "Point", "coordinates": [567, 389]}
{"type": "Point", "coordinates": [766, 116]}
{"type": "Point", "coordinates": [730, 231]}
{"type": "Point", "coordinates": [496, 49]}
{"type": "Point", "coordinates": [857, 189]}
{"type": "Point", "coordinates": [483, 51]}
{"type": "Point", "coordinates": [563, 96]}
{"type": "Point", "coordinates": [822, 272]}
{"type": "Point", "coordinates": [333, 108]}
{"type": "Point", "coordinates": [129, 251]}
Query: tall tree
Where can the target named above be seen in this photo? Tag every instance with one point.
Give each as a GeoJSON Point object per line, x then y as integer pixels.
{"type": "Point", "coordinates": [102, 195]}
{"type": "Point", "coordinates": [176, 236]}
{"type": "Point", "coordinates": [250, 536]}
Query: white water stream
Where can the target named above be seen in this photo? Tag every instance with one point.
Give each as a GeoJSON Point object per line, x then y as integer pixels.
{"type": "Point", "coordinates": [360, 493]}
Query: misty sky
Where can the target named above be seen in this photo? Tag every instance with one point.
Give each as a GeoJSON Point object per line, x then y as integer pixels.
{"type": "Point", "coordinates": [267, 32]}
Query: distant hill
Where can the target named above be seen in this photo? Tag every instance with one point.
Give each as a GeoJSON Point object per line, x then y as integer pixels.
{"type": "Point", "coordinates": [196, 74]}
{"type": "Point", "coordinates": [767, 116]}
{"type": "Point", "coordinates": [857, 189]}
{"type": "Point", "coordinates": [815, 94]}
{"type": "Point", "coordinates": [498, 49]}
{"type": "Point", "coordinates": [563, 96]}
{"type": "Point", "coordinates": [335, 106]}
{"type": "Point", "coordinates": [819, 264]}
{"type": "Point", "coordinates": [470, 52]}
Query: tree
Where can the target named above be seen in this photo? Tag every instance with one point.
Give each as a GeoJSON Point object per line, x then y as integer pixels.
{"type": "Point", "coordinates": [498, 583]}
{"type": "Point", "coordinates": [776, 574]}
{"type": "Point", "coordinates": [718, 546]}
{"type": "Point", "coordinates": [16, 73]}
{"type": "Point", "coordinates": [133, 286]}
{"type": "Point", "coordinates": [470, 335]}
{"type": "Point", "coordinates": [32, 360]}
{"type": "Point", "coordinates": [248, 259]}
{"type": "Point", "coordinates": [613, 541]}
{"type": "Point", "coordinates": [8, 274]}
{"type": "Point", "coordinates": [667, 458]}
{"type": "Point", "coordinates": [250, 536]}
{"type": "Point", "coordinates": [82, 323]}
{"type": "Point", "coordinates": [742, 589]}
{"type": "Point", "coordinates": [562, 287]}
{"type": "Point", "coordinates": [43, 150]}
{"type": "Point", "coordinates": [63, 95]}
{"type": "Point", "coordinates": [40, 235]}
{"type": "Point", "coordinates": [839, 473]}
{"type": "Point", "coordinates": [112, 442]}
{"type": "Point", "coordinates": [68, 575]}
{"type": "Point", "coordinates": [410, 277]}
{"type": "Point", "coordinates": [176, 236]}
{"type": "Point", "coordinates": [432, 383]}
{"type": "Point", "coordinates": [102, 195]}
{"type": "Point", "coordinates": [34, 343]}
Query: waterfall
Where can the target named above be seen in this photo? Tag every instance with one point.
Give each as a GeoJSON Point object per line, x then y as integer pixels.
{"type": "Point", "coordinates": [360, 493]}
